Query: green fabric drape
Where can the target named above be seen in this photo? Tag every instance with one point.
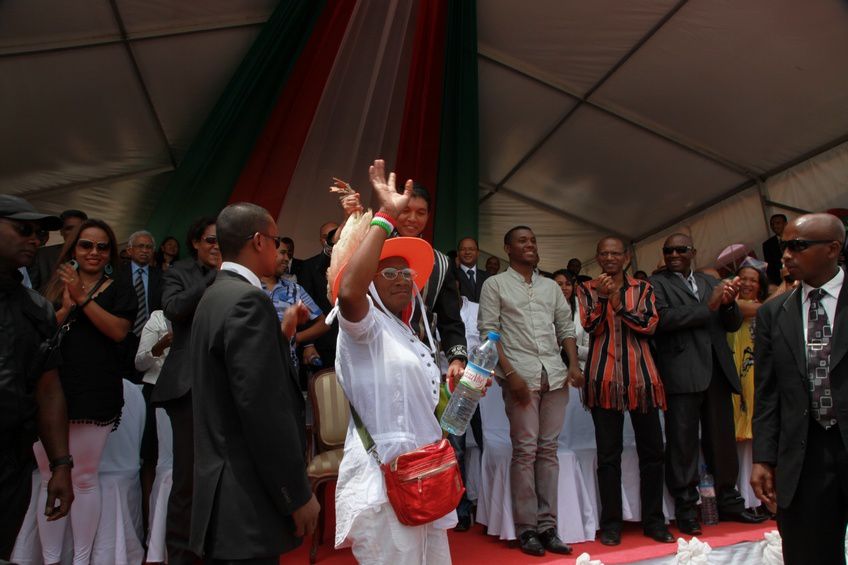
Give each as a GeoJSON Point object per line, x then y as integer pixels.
{"type": "Point", "coordinates": [457, 192]}
{"type": "Point", "coordinates": [205, 179]}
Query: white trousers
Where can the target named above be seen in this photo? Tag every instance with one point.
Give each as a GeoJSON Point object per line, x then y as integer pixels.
{"type": "Point", "coordinates": [378, 538]}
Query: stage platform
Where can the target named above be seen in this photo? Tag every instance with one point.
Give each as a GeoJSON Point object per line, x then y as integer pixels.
{"type": "Point", "coordinates": [731, 543]}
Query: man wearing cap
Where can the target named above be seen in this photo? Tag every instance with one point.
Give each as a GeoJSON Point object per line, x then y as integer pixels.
{"type": "Point", "coordinates": [31, 400]}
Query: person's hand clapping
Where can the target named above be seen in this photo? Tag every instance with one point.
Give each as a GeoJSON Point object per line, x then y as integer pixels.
{"type": "Point", "coordinates": [73, 284]}
{"type": "Point", "coordinates": [730, 291]}
{"type": "Point", "coordinates": [389, 199]}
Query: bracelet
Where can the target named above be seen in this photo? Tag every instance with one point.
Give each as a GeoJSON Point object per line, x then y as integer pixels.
{"type": "Point", "coordinates": [382, 221]}
{"type": "Point", "coordinates": [508, 373]}
{"type": "Point", "coordinates": [59, 461]}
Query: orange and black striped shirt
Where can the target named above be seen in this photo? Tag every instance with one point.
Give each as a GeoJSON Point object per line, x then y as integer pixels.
{"type": "Point", "coordinates": [620, 371]}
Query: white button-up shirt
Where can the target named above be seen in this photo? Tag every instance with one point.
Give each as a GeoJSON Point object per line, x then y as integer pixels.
{"type": "Point", "coordinates": [155, 329]}
{"type": "Point", "coordinates": [533, 320]}
{"type": "Point", "coordinates": [831, 294]}
{"type": "Point", "coordinates": [390, 378]}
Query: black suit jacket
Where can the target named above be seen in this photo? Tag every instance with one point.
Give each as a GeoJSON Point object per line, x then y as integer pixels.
{"type": "Point", "coordinates": [442, 300]}
{"type": "Point", "coordinates": [249, 468]}
{"type": "Point", "coordinates": [466, 289]}
{"type": "Point", "coordinates": [182, 286]}
{"type": "Point", "coordinates": [773, 256]}
{"type": "Point", "coordinates": [689, 336]}
{"type": "Point", "coordinates": [782, 397]}
{"type": "Point", "coordinates": [312, 276]}
{"type": "Point", "coordinates": [154, 301]}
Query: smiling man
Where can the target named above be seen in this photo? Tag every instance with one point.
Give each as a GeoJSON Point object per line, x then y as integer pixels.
{"type": "Point", "coordinates": [696, 365]}
{"type": "Point", "coordinates": [534, 321]}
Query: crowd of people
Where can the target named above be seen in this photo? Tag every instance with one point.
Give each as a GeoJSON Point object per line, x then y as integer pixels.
{"type": "Point", "coordinates": [225, 338]}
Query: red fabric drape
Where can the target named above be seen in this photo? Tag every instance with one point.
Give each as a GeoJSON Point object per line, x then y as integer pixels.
{"type": "Point", "coordinates": [267, 174]}
{"type": "Point", "coordinates": [418, 151]}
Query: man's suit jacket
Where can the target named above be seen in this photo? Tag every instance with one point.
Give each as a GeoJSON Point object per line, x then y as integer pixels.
{"type": "Point", "coordinates": [782, 397]}
{"type": "Point", "coordinates": [773, 256]}
{"type": "Point", "coordinates": [250, 473]}
{"type": "Point", "coordinates": [466, 289]}
{"type": "Point", "coordinates": [689, 336]}
{"type": "Point", "coordinates": [312, 276]}
{"type": "Point", "coordinates": [129, 346]}
{"type": "Point", "coordinates": [182, 286]}
{"type": "Point", "coordinates": [442, 300]}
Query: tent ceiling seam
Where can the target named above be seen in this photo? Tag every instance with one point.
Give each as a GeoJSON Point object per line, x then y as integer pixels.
{"type": "Point", "coordinates": [142, 84]}
{"type": "Point", "coordinates": [138, 37]}
{"type": "Point", "coordinates": [70, 187]}
{"type": "Point", "coordinates": [620, 63]}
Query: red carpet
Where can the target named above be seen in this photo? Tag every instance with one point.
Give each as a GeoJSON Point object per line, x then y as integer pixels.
{"type": "Point", "coordinates": [475, 547]}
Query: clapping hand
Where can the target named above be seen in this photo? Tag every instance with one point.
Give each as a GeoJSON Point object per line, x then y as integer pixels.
{"type": "Point", "coordinates": [73, 284]}
{"type": "Point", "coordinates": [390, 200]}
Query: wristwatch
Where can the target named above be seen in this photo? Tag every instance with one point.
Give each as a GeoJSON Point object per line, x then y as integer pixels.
{"type": "Point", "coordinates": [59, 461]}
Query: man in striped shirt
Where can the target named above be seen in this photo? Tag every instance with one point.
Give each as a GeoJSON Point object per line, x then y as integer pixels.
{"type": "Point", "coordinates": [619, 314]}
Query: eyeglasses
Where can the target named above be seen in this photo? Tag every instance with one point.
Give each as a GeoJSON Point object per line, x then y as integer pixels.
{"type": "Point", "coordinates": [680, 249]}
{"type": "Point", "coordinates": [277, 239]}
{"type": "Point", "coordinates": [390, 274]}
{"type": "Point", "coordinates": [88, 245]}
{"type": "Point", "coordinates": [211, 239]}
{"type": "Point", "coordinates": [26, 229]}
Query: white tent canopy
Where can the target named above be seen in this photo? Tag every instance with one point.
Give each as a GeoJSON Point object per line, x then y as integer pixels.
{"type": "Point", "coordinates": [635, 118]}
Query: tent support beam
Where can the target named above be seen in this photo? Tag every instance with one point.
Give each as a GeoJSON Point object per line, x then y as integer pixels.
{"type": "Point", "coordinates": [70, 187]}
{"type": "Point", "coordinates": [783, 206]}
{"type": "Point", "coordinates": [151, 107]}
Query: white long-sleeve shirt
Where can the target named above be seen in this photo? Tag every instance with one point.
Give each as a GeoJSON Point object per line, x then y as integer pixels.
{"type": "Point", "coordinates": [155, 329]}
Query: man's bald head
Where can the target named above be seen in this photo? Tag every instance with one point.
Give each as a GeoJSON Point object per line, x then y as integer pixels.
{"type": "Point", "coordinates": [822, 226]}
{"type": "Point", "coordinates": [813, 243]}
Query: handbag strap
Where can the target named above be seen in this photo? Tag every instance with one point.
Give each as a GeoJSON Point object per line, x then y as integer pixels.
{"type": "Point", "coordinates": [364, 436]}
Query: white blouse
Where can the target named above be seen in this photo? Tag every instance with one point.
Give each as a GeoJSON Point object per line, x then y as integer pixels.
{"type": "Point", "coordinates": [389, 376]}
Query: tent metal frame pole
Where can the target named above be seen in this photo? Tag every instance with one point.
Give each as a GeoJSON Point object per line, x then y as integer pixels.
{"type": "Point", "coordinates": [762, 191]}
{"type": "Point", "coordinates": [598, 84]}
{"type": "Point", "coordinates": [782, 206]}
{"type": "Point", "coordinates": [119, 21]}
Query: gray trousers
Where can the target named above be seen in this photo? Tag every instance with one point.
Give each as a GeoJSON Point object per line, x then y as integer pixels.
{"type": "Point", "coordinates": [534, 470]}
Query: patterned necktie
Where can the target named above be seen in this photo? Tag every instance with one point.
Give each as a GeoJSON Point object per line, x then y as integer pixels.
{"type": "Point", "coordinates": [693, 284]}
{"type": "Point", "coordinates": [142, 315]}
{"type": "Point", "coordinates": [819, 333]}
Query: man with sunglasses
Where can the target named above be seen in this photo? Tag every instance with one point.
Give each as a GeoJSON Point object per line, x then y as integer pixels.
{"type": "Point", "coordinates": [801, 399]}
{"type": "Point", "coordinates": [31, 399]}
{"type": "Point", "coordinates": [696, 366]}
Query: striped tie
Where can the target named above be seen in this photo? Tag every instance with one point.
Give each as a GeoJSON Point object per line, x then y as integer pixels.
{"type": "Point", "coordinates": [142, 315]}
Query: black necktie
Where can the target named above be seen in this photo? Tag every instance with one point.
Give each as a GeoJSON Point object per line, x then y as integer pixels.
{"type": "Point", "coordinates": [141, 315]}
{"type": "Point", "coordinates": [819, 333]}
{"type": "Point", "coordinates": [470, 273]}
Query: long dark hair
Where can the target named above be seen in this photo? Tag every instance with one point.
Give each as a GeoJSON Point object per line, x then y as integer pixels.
{"type": "Point", "coordinates": [160, 253]}
{"type": "Point", "coordinates": [53, 290]}
{"type": "Point", "coordinates": [572, 301]}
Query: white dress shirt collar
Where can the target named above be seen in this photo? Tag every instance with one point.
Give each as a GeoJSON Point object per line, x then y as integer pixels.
{"type": "Point", "coordinates": [831, 287]}
{"type": "Point", "coordinates": [243, 271]}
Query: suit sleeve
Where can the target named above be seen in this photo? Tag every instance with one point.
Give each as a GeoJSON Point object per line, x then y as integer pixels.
{"type": "Point", "coordinates": [260, 380]}
{"type": "Point", "coordinates": [181, 293]}
{"type": "Point", "coordinates": [731, 317]}
{"type": "Point", "coordinates": [448, 318]}
{"type": "Point", "coordinates": [679, 317]}
{"type": "Point", "coordinates": [766, 422]}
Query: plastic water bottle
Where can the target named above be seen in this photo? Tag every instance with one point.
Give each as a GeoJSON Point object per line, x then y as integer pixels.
{"type": "Point", "coordinates": [466, 395]}
{"type": "Point", "coordinates": [709, 505]}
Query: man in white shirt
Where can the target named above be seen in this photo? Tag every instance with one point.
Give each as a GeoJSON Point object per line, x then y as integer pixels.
{"type": "Point", "coordinates": [801, 401]}
{"type": "Point", "coordinates": [534, 320]}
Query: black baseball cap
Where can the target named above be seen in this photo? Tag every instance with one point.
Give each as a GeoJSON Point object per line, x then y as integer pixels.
{"type": "Point", "coordinates": [16, 208]}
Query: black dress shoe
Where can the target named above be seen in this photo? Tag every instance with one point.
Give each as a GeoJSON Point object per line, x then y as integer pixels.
{"type": "Point", "coordinates": [530, 544]}
{"type": "Point", "coordinates": [689, 526]}
{"type": "Point", "coordinates": [552, 543]}
{"type": "Point", "coordinates": [463, 524]}
{"type": "Point", "coordinates": [610, 537]}
{"type": "Point", "coordinates": [746, 517]}
{"type": "Point", "coordinates": [660, 534]}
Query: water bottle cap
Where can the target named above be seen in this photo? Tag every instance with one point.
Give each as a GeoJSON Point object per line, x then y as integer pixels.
{"type": "Point", "coordinates": [494, 336]}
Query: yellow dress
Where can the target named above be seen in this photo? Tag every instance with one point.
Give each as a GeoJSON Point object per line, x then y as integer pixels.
{"type": "Point", "coordinates": [742, 344]}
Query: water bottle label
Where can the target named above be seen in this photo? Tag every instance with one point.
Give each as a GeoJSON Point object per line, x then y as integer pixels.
{"type": "Point", "coordinates": [475, 377]}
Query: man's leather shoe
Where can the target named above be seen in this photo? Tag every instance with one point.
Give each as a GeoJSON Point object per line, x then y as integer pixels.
{"type": "Point", "coordinates": [689, 526]}
{"type": "Point", "coordinates": [746, 517]}
{"type": "Point", "coordinates": [530, 544]}
{"type": "Point", "coordinates": [463, 524]}
{"type": "Point", "coordinates": [552, 542]}
{"type": "Point", "coordinates": [610, 537]}
{"type": "Point", "coordinates": [660, 534]}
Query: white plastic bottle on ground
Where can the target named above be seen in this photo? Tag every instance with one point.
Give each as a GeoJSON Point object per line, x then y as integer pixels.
{"type": "Point", "coordinates": [481, 362]}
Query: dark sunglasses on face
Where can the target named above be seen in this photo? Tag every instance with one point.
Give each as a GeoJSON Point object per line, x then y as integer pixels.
{"type": "Point", "coordinates": [210, 239]}
{"type": "Point", "coordinates": [798, 245]}
{"type": "Point", "coordinates": [277, 239]}
{"type": "Point", "coordinates": [27, 229]}
{"type": "Point", "coordinates": [88, 245]}
{"type": "Point", "coordinates": [680, 249]}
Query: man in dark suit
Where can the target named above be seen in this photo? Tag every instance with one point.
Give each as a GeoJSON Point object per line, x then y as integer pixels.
{"type": "Point", "coordinates": [183, 285]}
{"type": "Point", "coordinates": [312, 276]}
{"type": "Point", "coordinates": [469, 276]}
{"type": "Point", "coordinates": [771, 248]}
{"type": "Point", "coordinates": [801, 398]}
{"type": "Point", "coordinates": [696, 365]}
{"type": "Point", "coordinates": [252, 499]}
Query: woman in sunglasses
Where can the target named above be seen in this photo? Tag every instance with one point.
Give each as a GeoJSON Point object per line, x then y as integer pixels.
{"type": "Point", "coordinates": [390, 377]}
{"type": "Point", "coordinates": [99, 314]}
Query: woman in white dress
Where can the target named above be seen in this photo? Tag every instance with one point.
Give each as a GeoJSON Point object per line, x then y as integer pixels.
{"type": "Point", "coordinates": [566, 282]}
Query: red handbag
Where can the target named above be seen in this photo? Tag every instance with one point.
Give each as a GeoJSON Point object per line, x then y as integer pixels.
{"type": "Point", "coordinates": [423, 484]}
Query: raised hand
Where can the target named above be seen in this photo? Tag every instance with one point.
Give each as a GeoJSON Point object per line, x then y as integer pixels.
{"type": "Point", "coordinates": [390, 200]}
